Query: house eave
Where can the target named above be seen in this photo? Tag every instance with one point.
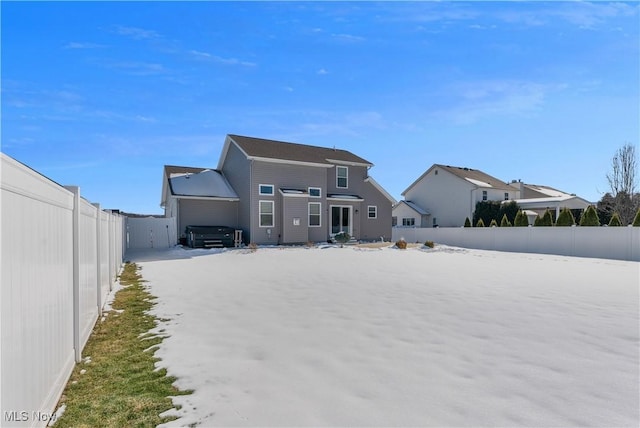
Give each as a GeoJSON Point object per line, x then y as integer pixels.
{"type": "Point", "coordinates": [206, 198]}
{"type": "Point", "coordinates": [289, 162]}
{"type": "Point", "coordinates": [349, 163]}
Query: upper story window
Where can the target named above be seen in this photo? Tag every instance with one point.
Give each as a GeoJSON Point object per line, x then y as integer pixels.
{"type": "Point", "coordinates": [265, 189]}
{"type": "Point", "coordinates": [315, 192]}
{"type": "Point", "coordinates": [484, 195]}
{"type": "Point", "coordinates": [372, 211]}
{"type": "Point", "coordinates": [342, 174]}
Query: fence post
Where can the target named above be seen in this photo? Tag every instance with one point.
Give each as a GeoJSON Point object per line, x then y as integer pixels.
{"type": "Point", "coordinates": [99, 256]}
{"type": "Point", "coordinates": [110, 255]}
{"type": "Point", "coordinates": [76, 271]}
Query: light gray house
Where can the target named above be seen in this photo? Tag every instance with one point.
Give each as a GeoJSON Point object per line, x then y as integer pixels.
{"type": "Point", "coordinates": [445, 195]}
{"type": "Point", "coordinates": [281, 193]}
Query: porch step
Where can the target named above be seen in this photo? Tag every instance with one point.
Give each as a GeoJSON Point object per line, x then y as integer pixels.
{"type": "Point", "coordinates": [213, 243]}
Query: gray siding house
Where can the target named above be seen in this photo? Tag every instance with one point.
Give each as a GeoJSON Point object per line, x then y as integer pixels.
{"type": "Point", "coordinates": [287, 193]}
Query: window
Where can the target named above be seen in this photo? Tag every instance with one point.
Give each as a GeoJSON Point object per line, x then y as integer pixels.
{"type": "Point", "coordinates": [314, 214]}
{"type": "Point", "coordinates": [394, 221]}
{"type": "Point", "coordinates": [265, 189]}
{"type": "Point", "coordinates": [506, 196]}
{"type": "Point", "coordinates": [342, 173]}
{"type": "Point", "coordinates": [484, 195]}
{"type": "Point", "coordinates": [266, 213]}
{"type": "Point", "coordinates": [315, 192]}
{"type": "Point", "coordinates": [435, 222]}
{"type": "Point", "coordinates": [409, 221]}
{"type": "Point", "coordinates": [372, 211]}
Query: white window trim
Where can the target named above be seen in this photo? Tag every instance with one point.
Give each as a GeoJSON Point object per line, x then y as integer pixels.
{"type": "Point", "coordinates": [319, 214]}
{"type": "Point", "coordinates": [260, 186]}
{"type": "Point", "coordinates": [485, 195]}
{"type": "Point", "coordinates": [260, 213]}
{"type": "Point", "coordinates": [319, 189]}
{"type": "Point", "coordinates": [346, 177]}
{"type": "Point", "coordinates": [408, 218]}
{"type": "Point", "coordinates": [375, 211]}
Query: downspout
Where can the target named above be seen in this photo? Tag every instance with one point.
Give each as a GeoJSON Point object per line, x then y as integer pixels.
{"type": "Point", "coordinates": [472, 210]}
{"type": "Point", "coordinates": [251, 202]}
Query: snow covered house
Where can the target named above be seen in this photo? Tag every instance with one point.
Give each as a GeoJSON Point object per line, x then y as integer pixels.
{"type": "Point", "coordinates": [280, 193]}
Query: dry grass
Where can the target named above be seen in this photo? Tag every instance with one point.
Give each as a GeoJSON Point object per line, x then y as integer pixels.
{"type": "Point", "coordinates": [119, 387]}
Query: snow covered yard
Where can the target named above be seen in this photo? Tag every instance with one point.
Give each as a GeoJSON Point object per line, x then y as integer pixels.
{"type": "Point", "coordinates": [384, 337]}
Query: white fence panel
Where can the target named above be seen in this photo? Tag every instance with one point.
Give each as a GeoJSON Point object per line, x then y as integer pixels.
{"type": "Point", "coordinates": [49, 289]}
{"type": "Point", "coordinates": [151, 232]}
{"type": "Point", "coordinates": [620, 243]}
{"type": "Point", "coordinates": [88, 272]}
{"type": "Point", "coordinates": [37, 290]}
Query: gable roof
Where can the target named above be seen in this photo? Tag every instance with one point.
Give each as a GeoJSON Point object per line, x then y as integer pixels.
{"type": "Point", "coordinates": [538, 191]}
{"type": "Point", "coordinates": [473, 176]}
{"type": "Point", "coordinates": [280, 151]}
{"type": "Point", "coordinates": [413, 206]}
{"type": "Point", "coordinates": [476, 177]}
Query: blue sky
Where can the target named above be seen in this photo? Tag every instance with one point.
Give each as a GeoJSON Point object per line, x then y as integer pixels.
{"type": "Point", "coordinates": [103, 94]}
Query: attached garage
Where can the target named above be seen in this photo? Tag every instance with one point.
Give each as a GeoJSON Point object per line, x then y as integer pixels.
{"type": "Point", "coordinates": [198, 197]}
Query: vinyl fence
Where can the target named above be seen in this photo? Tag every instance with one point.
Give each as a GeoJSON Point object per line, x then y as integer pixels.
{"type": "Point", "coordinates": [620, 243]}
{"type": "Point", "coordinates": [151, 232]}
{"type": "Point", "coordinates": [60, 256]}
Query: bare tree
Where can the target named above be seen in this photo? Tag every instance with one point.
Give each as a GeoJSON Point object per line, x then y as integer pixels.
{"type": "Point", "coordinates": [623, 184]}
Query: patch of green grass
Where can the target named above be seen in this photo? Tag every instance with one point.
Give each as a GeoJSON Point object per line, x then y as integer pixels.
{"type": "Point", "coordinates": [119, 387]}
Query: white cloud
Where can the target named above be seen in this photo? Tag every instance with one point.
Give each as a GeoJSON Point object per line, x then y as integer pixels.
{"type": "Point", "coordinates": [348, 38]}
{"type": "Point", "coordinates": [136, 33]}
{"type": "Point", "coordinates": [322, 71]}
{"type": "Point", "coordinates": [485, 99]}
{"type": "Point", "coordinates": [82, 45]}
{"type": "Point", "coordinates": [220, 60]}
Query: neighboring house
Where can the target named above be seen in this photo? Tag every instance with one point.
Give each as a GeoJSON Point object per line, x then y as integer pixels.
{"type": "Point", "coordinates": [446, 195]}
{"type": "Point", "coordinates": [536, 199]}
{"type": "Point", "coordinates": [281, 193]}
{"type": "Point", "coordinates": [408, 214]}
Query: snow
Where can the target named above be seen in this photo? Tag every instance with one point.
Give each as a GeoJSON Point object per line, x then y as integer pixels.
{"type": "Point", "coordinates": [478, 182]}
{"type": "Point", "coordinates": [330, 336]}
{"type": "Point", "coordinates": [205, 183]}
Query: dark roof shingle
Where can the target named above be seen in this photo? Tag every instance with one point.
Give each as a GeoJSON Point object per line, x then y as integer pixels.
{"type": "Point", "coordinates": [271, 149]}
{"type": "Point", "coordinates": [477, 175]}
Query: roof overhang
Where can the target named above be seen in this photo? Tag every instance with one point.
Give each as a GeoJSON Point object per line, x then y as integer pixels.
{"type": "Point", "coordinates": [348, 163]}
{"type": "Point", "coordinates": [571, 202]}
{"type": "Point", "coordinates": [205, 198]}
{"type": "Point", "coordinates": [293, 193]}
{"type": "Point", "coordinates": [346, 198]}
{"type": "Point", "coordinates": [289, 162]}
{"type": "Point", "coordinates": [375, 184]}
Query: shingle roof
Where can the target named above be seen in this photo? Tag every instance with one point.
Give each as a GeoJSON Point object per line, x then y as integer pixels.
{"type": "Point", "coordinates": [280, 150]}
{"type": "Point", "coordinates": [476, 177]}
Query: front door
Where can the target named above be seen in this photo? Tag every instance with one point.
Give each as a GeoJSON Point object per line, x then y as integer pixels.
{"type": "Point", "coordinates": [340, 219]}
